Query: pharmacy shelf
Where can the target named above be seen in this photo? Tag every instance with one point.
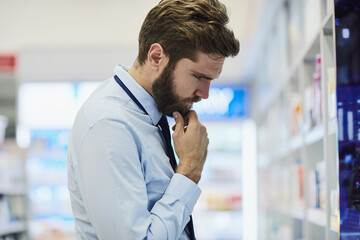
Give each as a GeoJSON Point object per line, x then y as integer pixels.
{"type": "Point", "coordinates": [309, 50]}
{"type": "Point", "coordinates": [12, 228]}
{"type": "Point", "coordinates": [293, 212]}
{"type": "Point", "coordinates": [13, 190]}
{"type": "Point", "coordinates": [332, 126]}
{"type": "Point", "coordinates": [314, 135]}
{"type": "Point", "coordinates": [327, 23]}
{"type": "Point", "coordinates": [297, 140]}
{"type": "Point", "coordinates": [316, 216]}
{"type": "Point", "coordinates": [218, 224]}
{"type": "Point", "coordinates": [296, 143]}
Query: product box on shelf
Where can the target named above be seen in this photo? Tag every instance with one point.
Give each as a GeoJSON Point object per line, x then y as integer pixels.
{"type": "Point", "coordinates": [317, 186]}
{"type": "Point", "coordinates": [334, 210]}
{"type": "Point", "coordinates": [316, 110]}
{"type": "Point", "coordinates": [296, 114]}
{"type": "Point", "coordinates": [331, 73]}
{"type": "Point", "coordinates": [297, 186]}
{"type": "Point", "coordinates": [308, 107]}
{"type": "Point", "coordinates": [321, 173]}
{"type": "Point", "coordinates": [313, 193]}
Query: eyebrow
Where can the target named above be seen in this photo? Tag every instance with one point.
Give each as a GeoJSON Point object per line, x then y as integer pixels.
{"type": "Point", "coordinates": [200, 75]}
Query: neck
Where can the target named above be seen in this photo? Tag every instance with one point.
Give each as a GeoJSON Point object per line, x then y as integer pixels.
{"type": "Point", "coordinates": [141, 76]}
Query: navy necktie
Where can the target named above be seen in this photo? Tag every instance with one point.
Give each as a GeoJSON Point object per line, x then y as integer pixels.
{"type": "Point", "coordinates": [164, 126]}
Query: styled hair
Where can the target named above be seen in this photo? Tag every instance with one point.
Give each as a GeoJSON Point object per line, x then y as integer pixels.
{"type": "Point", "coordinates": [185, 27]}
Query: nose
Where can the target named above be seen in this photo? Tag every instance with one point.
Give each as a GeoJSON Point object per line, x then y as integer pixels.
{"type": "Point", "coordinates": [203, 89]}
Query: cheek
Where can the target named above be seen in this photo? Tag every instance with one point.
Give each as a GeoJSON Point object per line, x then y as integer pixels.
{"type": "Point", "coordinates": [184, 88]}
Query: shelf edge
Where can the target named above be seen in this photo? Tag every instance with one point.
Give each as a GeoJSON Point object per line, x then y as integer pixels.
{"type": "Point", "coordinates": [11, 228]}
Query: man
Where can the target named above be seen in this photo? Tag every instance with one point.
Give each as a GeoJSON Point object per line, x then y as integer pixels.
{"type": "Point", "coordinates": [123, 179]}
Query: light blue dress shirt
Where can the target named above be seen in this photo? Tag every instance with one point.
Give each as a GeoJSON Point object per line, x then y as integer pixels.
{"type": "Point", "coordinates": [120, 179]}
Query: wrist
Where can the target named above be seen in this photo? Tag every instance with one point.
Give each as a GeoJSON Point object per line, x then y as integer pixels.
{"type": "Point", "coordinates": [192, 175]}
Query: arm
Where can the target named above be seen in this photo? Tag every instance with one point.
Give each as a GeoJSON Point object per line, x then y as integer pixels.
{"type": "Point", "coordinates": [115, 193]}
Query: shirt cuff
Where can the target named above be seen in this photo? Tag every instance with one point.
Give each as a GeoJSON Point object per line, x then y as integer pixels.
{"type": "Point", "coordinates": [184, 189]}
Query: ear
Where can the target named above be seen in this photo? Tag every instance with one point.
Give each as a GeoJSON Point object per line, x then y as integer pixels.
{"type": "Point", "coordinates": [157, 57]}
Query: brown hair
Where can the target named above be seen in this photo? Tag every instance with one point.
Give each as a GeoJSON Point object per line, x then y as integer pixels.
{"type": "Point", "coordinates": [184, 27]}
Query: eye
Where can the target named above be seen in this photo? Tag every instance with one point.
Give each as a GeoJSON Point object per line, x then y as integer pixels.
{"type": "Point", "coordinates": [197, 77]}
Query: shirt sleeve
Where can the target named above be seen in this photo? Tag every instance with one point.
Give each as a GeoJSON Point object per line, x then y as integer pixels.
{"type": "Point", "coordinates": [114, 189]}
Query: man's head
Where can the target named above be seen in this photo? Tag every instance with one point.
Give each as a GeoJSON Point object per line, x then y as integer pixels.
{"type": "Point", "coordinates": [186, 32]}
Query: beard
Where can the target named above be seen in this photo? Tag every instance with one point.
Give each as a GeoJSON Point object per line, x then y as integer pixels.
{"type": "Point", "coordinates": [166, 99]}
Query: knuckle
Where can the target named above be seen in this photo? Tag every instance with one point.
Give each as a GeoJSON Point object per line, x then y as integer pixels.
{"type": "Point", "coordinates": [175, 135]}
{"type": "Point", "coordinates": [178, 120]}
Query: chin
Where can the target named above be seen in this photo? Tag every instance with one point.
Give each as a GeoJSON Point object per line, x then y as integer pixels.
{"type": "Point", "coordinates": [185, 110]}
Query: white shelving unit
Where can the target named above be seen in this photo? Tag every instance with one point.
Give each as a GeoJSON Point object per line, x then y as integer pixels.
{"type": "Point", "coordinates": [297, 164]}
{"type": "Point", "coordinates": [13, 212]}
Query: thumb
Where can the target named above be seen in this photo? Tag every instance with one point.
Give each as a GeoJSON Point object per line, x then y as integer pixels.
{"type": "Point", "coordinates": [179, 124]}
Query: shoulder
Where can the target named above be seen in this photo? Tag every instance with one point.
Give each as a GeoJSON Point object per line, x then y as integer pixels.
{"type": "Point", "coordinates": [107, 102]}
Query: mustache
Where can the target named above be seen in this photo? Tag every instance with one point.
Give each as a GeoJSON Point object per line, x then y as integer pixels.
{"type": "Point", "coordinates": [192, 99]}
{"type": "Point", "coordinates": [184, 105]}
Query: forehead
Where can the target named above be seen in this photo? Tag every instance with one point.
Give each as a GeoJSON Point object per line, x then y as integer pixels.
{"type": "Point", "coordinates": [208, 64]}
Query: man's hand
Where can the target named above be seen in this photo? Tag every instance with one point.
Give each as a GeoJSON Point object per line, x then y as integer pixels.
{"type": "Point", "coordinates": [190, 142]}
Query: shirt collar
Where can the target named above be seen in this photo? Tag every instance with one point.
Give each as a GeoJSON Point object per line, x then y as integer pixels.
{"type": "Point", "coordinates": [146, 100]}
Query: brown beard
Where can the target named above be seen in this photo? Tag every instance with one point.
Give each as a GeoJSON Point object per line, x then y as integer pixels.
{"type": "Point", "coordinates": [166, 99]}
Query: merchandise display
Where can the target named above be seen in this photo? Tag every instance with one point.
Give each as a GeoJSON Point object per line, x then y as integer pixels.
{"type": "Point", "coordinates": [50, 215]}
{"type": "Point", "coordinates": [298, 158]}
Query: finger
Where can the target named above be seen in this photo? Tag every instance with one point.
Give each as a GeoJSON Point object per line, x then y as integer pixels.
{"type": "Point", "coordinates": [186, 122]}
{"type": "Point", "coordinates": [179, 123]}
{"type": "Point", "coordinates": [191, 116]}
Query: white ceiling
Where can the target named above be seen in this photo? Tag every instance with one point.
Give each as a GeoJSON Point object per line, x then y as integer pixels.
{"type": "Point", "coordinates": [98, 23]}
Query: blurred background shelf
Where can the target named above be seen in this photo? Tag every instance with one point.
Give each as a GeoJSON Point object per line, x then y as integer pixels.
{"type": "Point", "coordinates": [314, 135]}
{"type": "Point", "coordinates": [293, 212]}
{"type": "Point", "coordinates": [317, 216]}
{"type": "Point", "coordinates": [12, 228]}
{"type": "Point", "coordinates": [13, 190]}
{"type": "Point", "coordinates": [297, 158]}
